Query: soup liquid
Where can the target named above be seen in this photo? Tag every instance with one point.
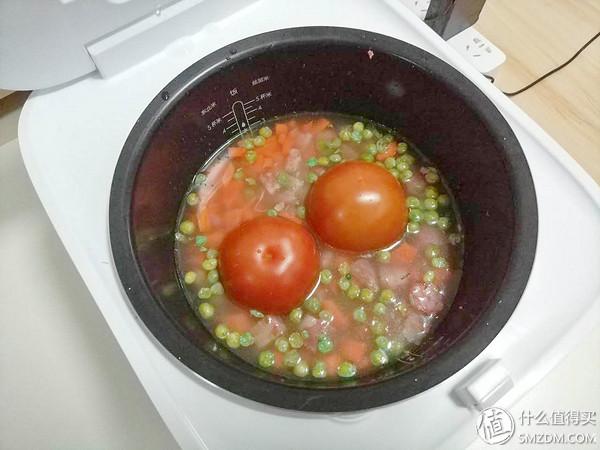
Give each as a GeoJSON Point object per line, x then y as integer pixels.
{"type": "Point", "coordinates": [367, 311]}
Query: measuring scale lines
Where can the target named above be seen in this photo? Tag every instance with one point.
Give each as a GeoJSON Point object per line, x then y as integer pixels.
{"type": "Point", "coordinates": [241, 118]}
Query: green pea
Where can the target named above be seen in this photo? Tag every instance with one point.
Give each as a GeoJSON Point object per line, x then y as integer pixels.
{"type": "Point", "coordinates": [389, 163]}
{"type": "Point", "coordinates": [383, 256]}
{"type": "Point", "coordinates": [367, 157]}
{"type": "Point", "coordinates": [326, 316]}
{"type": "Point", "coordinates": [247, 144]}
{"type": "Point", "coordinates": [296, 340]}
{"type": "Point", "coordinates": [271, 212]}
{"type": "Point", "coordinates": [353, 291]}
{"type": "Point", "coordinates": [358, 126]}
{"type": "Point", "coordinates": [402, 147]}
{"type": "Point", "coordinates": [367, 134]}
{"type": "Point", "coordinates": [326, 276]}
{"type": "Point", "coordinates": [209, 264]}
{"type": "Point", "coordinates": [212, 277]}
{"type": "Point", "coordinates": [319, 370]}
{"type": "Point", "coordinates": [379, 358]}
{"type": "Point", "coordinates": [377, 327]}
{"type": "Point", "coordinates": [283, 179]}
{"type": "Point", "coordinates": [432, 177]}
{"type": "Point", "coordinates": [395, 173]}
{"type": "Point", "coordinates": [444, 223]}
{"type": "Point", "coordinates": [265, 132]}
{"type": "Point", "coordinates": [406, 175]}
{"type": "Point", "coordinates": [367, 295]}
{"type": "Point", "coordinates": [344, 284]}
{"type": "Point", "coordinates": [324, 343]}
{"type": "Point", "coordinates": [212, 253]}
{"type": "Point", "coordinates": [206, 310]}
{"type": "Point", "coordinates": [430, 204]}
{"type": "Point", "coordinates": [443, 200]}
{"type": "Point", "coordinates": [256, 313]}
{"type": "Point", "coordinates": [395, 348]}
{"type": "Point", "coordinates": [266, 359]}
{"type": "Point", "coordinates": [259, 141]}
{"type": "Point", "coordinates": [221, 331]}
{"type": "Point", "coordinates": [429, 276]}
{"type": "Point", "coordinates": [335, 143]}
{"type": "Point", "coordinates": [415, 215]}
{"type": "Point", "coordinates": [382, 145]}
{"type": "Point", "coordinates": [192, 199]}
{"type": "Point", "coordinates": [301, 369]}
{"type": "Point", "coordinates": [454, 238]}
{"type": "Point", "coordinates": [296, 315]}
{"type": "Point", "coordinates": [282, 345]}
{"type": "Point", "coordinates": [250, 156]}
{"type": "Point", "coordinates": [190, 277]}
{"type": "Point", "coordinates": [323, 161]}
{"type": "Point", "coordinates": [246, 339]}
{"type": "Point", "coordinates": [291, 358]}
{"type": "Point", "coordinates": [372, 149]}
{"type": "Point", "coordinates": [379, 309]}
{"type": "Point", "coordinates": [233, 339]}
{"type": "Point", "coordinates": [431, 192]}
{"type": "Point", "coordinates": [386, 296]}
{"type": "Point", "coordinates": [343, 268]}
{"type": "Point", "coordinates": [431, 217]}
{"type": "Point", "coordinates": [335, 158]}
{"type": "Point", "coordinates": [359, 314]}
{"type": "Point", "coordinates": [356, 136]}
{"type": "Point", "coordinates": [311, 177]}
{"type": "Point", "coordinates": [439, 262]}
{"type": "Point", "coordinates": [406, 158]}
{"type": "Point", "coordinates": [382, 342]}
{"type": "Point", "coordinates": [413, 227]}
{"type": "Point", "coordinates": [345, 134]}
{"type": "Point", "coordinates": [200, 240]}
{"type": "Point", "coordinates": [250, 181]}
{"type": "Point", "coordinates": [217, 289]}
{"type": "Point", "coordinates": [204, 293]}
{"type": "Point", "coordinates": [312, 304]}
{"type": "Point", "coordinates": [305, 334]}
{"type": "Point", "coordinates": [346, 370]}
{"type": "Point", "coordinates": [412, 202]}
{"type": "Point", "coordinates": [199, 178]}
{"type": "Point", "coordinates": [401, 165]}
{"type": "Point", "coordinates": [187, 227]}
{"type": "Point", "coordinates": [311, 162]}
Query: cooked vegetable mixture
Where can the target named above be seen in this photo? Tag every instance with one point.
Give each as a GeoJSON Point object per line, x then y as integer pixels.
{"type": "Point", "coordinates": [319, 247]}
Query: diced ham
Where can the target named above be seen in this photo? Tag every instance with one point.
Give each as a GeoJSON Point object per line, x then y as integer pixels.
{"type": "Point", "coordinates": [415, 185]}
{"type": "Point", "coordinates": [415, 327]}
{"type": "Point", "coordinates": [327, 258]}
{"type": "Point", "coordinates": [294, 161]}
{"type": "Point", "coordinates": [394, 277]}
{"type": "Point", "coordinates": [304, 141]}
{"type": "Point", "coordinates": [269, 182]}
{"type": "Point", "coordinates": [426, 298]}
{"type": "Point", "coordinates": [266, 330]}
{"type": "Point", "coordinates": [307, 322]}
{"type": "Point", "coordinates": [365, 273]}
{"type": "Point", "coordinates": [348, 152]}
{"type": "Point", "coordinates": [430, 234]}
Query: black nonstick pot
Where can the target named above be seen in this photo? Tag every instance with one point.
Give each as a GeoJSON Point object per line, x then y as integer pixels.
{"type": "Point", "coordinates": [323, 69]}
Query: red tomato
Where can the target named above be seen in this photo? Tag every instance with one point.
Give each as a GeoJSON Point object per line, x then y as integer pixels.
{"type": "Point", "coordinates": [269, 263]}
{"type": "Point", "coordinates": [357, 206]}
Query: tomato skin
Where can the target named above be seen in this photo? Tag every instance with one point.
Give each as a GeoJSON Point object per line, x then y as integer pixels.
{"type": "Point", "coordinates": [357, 206]}
{"type": "Point", "coordinates": [269, 263]}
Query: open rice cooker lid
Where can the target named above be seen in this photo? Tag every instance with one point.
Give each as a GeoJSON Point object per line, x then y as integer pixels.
{"type": "Point", "coordinates": [67, 39]}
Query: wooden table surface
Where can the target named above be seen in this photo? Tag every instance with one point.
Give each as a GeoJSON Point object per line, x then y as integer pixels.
{"type": "Point", "coordinates": [538, 35]}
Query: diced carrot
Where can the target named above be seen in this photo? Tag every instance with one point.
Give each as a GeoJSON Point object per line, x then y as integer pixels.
{"type": "Point", "coordinates": [230, 195]}
{"type": "Point", "coordinates": [240, 321]}
{"type": "Point", "coordinates": [353, 349]}
{"type": "Point", "coordinates": [278, 359]}
{"type": "Point", "coordinates": [236, 152]}
{"type": "Point", "coordinates": [404, 254]}
{"type": "Point", "coordinates": [389, 152]}
{"type": "Point", "coordinates": [321, 124]}
{"type": "Point", "coordinates": [203, 224]}
{"type": "Point", "coordinates": [332, 361]}
{"type": "Point", "coordinates": [215, 238]}
{"type": "Point", "coordinates": [307, 127]}
{"type": "Point", "coordinates": [340, 318]}
{"type": "Point", "coordinates": [281, 138]}
{"type": "Point", "coordinates": [268, 163]}
{"type": "Point", "coordinates": [281, 128]}
{"type": "Point", "coordinates": [231, 218]}
{"type": "Point", "coordinates": [270, 148]}
{"type": "Point", "coordinates": [228, 173]}
{"type": "Point", "coordinates": [288, 143]}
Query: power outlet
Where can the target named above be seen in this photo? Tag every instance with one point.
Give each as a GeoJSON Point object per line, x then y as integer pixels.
{"type": "Point", "coordinates": [419, 7]}
{"type": "Point", "coordinates": [478, 50]}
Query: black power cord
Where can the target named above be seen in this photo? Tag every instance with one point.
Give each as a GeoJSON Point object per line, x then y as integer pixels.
{"type": "Point", "coordinates": [546, 75]}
